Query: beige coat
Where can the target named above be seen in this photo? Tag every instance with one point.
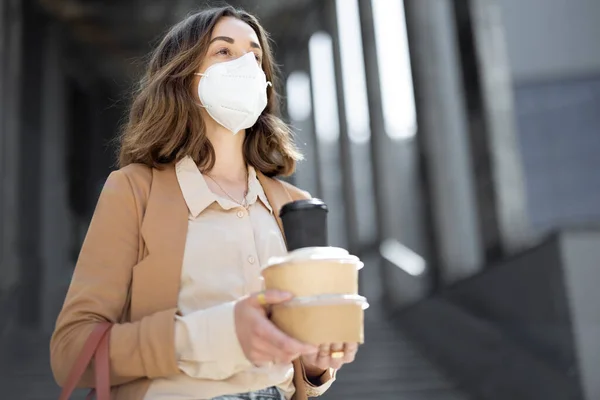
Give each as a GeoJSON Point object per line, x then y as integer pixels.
{"type": "Point", "coordinates": [129, 271]}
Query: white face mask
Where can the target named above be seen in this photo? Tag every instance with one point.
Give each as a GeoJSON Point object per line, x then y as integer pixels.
{"type": "Point", "coordinates": [234, 93]}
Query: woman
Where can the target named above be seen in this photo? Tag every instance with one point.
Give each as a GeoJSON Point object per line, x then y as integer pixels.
{"type": "Point", "coordinates": [173, 253]}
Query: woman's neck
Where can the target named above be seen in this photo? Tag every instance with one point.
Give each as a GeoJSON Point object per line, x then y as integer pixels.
{"type": "Point", "coordinates": [229, 155]}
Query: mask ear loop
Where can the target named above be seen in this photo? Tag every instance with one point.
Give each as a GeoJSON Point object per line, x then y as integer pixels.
{"type": "Point", "coordinates": [203, 75]}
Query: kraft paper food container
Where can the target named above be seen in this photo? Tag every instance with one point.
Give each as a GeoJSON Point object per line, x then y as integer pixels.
{"type": "Point", "coordinates": [322, 319]}
{"type": "Point", "coordinates": [313, 271]}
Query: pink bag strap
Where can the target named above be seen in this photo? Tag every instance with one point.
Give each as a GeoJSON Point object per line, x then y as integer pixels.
{"type": "Point", "coordinates": [97, 346]}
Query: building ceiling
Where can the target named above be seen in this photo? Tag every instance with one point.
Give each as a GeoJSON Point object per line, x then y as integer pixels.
{"type": "Point", "coordinates": [111, 37]}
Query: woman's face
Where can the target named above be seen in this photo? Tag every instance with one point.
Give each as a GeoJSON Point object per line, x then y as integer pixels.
{"type": "Point", "coordinates": [231, 38]}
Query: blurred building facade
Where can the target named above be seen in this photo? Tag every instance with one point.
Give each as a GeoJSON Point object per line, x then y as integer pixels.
{"type": "Point", "coordinates": [449, 138]}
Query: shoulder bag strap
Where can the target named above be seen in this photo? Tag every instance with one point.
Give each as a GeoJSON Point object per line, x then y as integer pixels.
{"type": "Point", "coordinates": [96, 344]}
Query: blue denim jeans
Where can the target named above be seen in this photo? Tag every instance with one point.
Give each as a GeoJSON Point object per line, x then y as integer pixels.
{"type": "Point", "coordinates": [271, 393]}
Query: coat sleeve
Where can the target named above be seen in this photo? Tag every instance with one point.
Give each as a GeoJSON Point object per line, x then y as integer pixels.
{"type": "Point", "coordinates": [98, 292]}
{"type": "Point", "coordinates": [207, 344]}
{"type": "Point", "coordinates": [324, 382]}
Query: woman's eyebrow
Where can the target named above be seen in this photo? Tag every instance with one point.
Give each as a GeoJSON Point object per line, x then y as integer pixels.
{"type": "Point", "coordinates": [223, 38]}
{"type": "Point", "coordinates": [231, 41]}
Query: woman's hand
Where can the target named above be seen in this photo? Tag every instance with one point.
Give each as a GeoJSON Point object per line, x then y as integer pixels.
{"type": "Point", "coordinates": [329, 356]}
{"type": "Point", "coordinates": [261, 341]}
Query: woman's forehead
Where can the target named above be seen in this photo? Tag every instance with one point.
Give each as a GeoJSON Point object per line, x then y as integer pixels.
{"type": "Point", "coordinates": [235, 29]}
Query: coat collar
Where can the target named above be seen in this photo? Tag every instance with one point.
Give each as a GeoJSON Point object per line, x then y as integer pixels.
{"type": "Point", "coordinates": [164, 230]}
{"type": "Point", "coordinates": [276, 195]}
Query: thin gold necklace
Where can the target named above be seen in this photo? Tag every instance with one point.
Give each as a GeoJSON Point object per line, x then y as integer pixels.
{"type": "Point", "coordinates": [244, 202]}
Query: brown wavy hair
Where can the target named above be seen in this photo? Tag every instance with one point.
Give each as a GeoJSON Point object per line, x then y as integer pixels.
{"type": "Point", "coordinates": [165, 123]}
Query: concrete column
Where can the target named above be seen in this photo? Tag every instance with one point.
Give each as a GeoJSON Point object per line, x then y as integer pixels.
{"type": "Point", "coordinates": [330, 166]}
{"type": "Point", "coordinates": [292, 53]}
{"type": "Point", "coordinates": [3, 133]}
{"type": "Point", "coordinates": [283, 111]}
{"type": "Point", "coordinates": [379, 140]}
{"type": "Point", "coordinates": [3, 56]}
{"type": "Point", "coordinates": [56, 217]}
{"type": "Point", "coordinates": [501, 199]}
{"type": "Point", "coordinates": [401, 238]}
{"type": "Point", "coordinates": [282, 56]}
{"type": "Point", "coordinates": [29, 165]}
{"type": "Point", "coordinates": [395, 165]}
{"type": "Point", "coordinates": [307, 171]}
{"type": "Point", "coordinates": [9, 158]}
{"type": "Point", "coordinates": [345, 146]}
{"type": "Point", "coordinates": [104, 126]}
{"type": "Point", "coordinates": [79, 156]}
{"type": "Point", "coordinates": [443, 137]}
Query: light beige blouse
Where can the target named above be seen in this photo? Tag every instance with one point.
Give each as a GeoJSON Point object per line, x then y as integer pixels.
{"type": "Point", "coordinates": [225, 247]}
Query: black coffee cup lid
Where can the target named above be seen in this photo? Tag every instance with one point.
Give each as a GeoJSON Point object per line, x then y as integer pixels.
{"type": "Point", "coordinates": [303, 205]}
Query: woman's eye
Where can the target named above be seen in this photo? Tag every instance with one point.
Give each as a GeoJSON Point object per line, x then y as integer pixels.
{"type": "Point", "coordinates": [223, 52]}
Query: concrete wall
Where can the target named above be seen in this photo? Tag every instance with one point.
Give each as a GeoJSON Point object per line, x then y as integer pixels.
{"type": "Point", "coordinates": [555, 61]}
{"type": "Point", "coordinates": [526, 328]}
{"type": "Point", "coordinates": [581, 252]}
{"type": "Point", "coordinates": [536, 314]}
{"type": "Point", "coordinates": [552, 39]}
{"type": "Point", "coordinates": [560, 142]}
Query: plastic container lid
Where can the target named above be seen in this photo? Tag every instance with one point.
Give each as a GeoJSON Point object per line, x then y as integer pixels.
{"type": "Point", "coordinates": [316, 254]}
{"type": "Point", "coordinates": [327, 300]}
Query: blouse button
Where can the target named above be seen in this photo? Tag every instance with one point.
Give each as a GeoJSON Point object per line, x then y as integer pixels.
{"type": "Point", "coordinates": [251, 260]}
{"type": "Point", "coordinates": [240, 214]}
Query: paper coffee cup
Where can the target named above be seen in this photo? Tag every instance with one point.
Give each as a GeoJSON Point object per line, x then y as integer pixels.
{"type": "Point", "coordinates": [313, 271]}
{"type": "Point", "coordinates": [322, 319]}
